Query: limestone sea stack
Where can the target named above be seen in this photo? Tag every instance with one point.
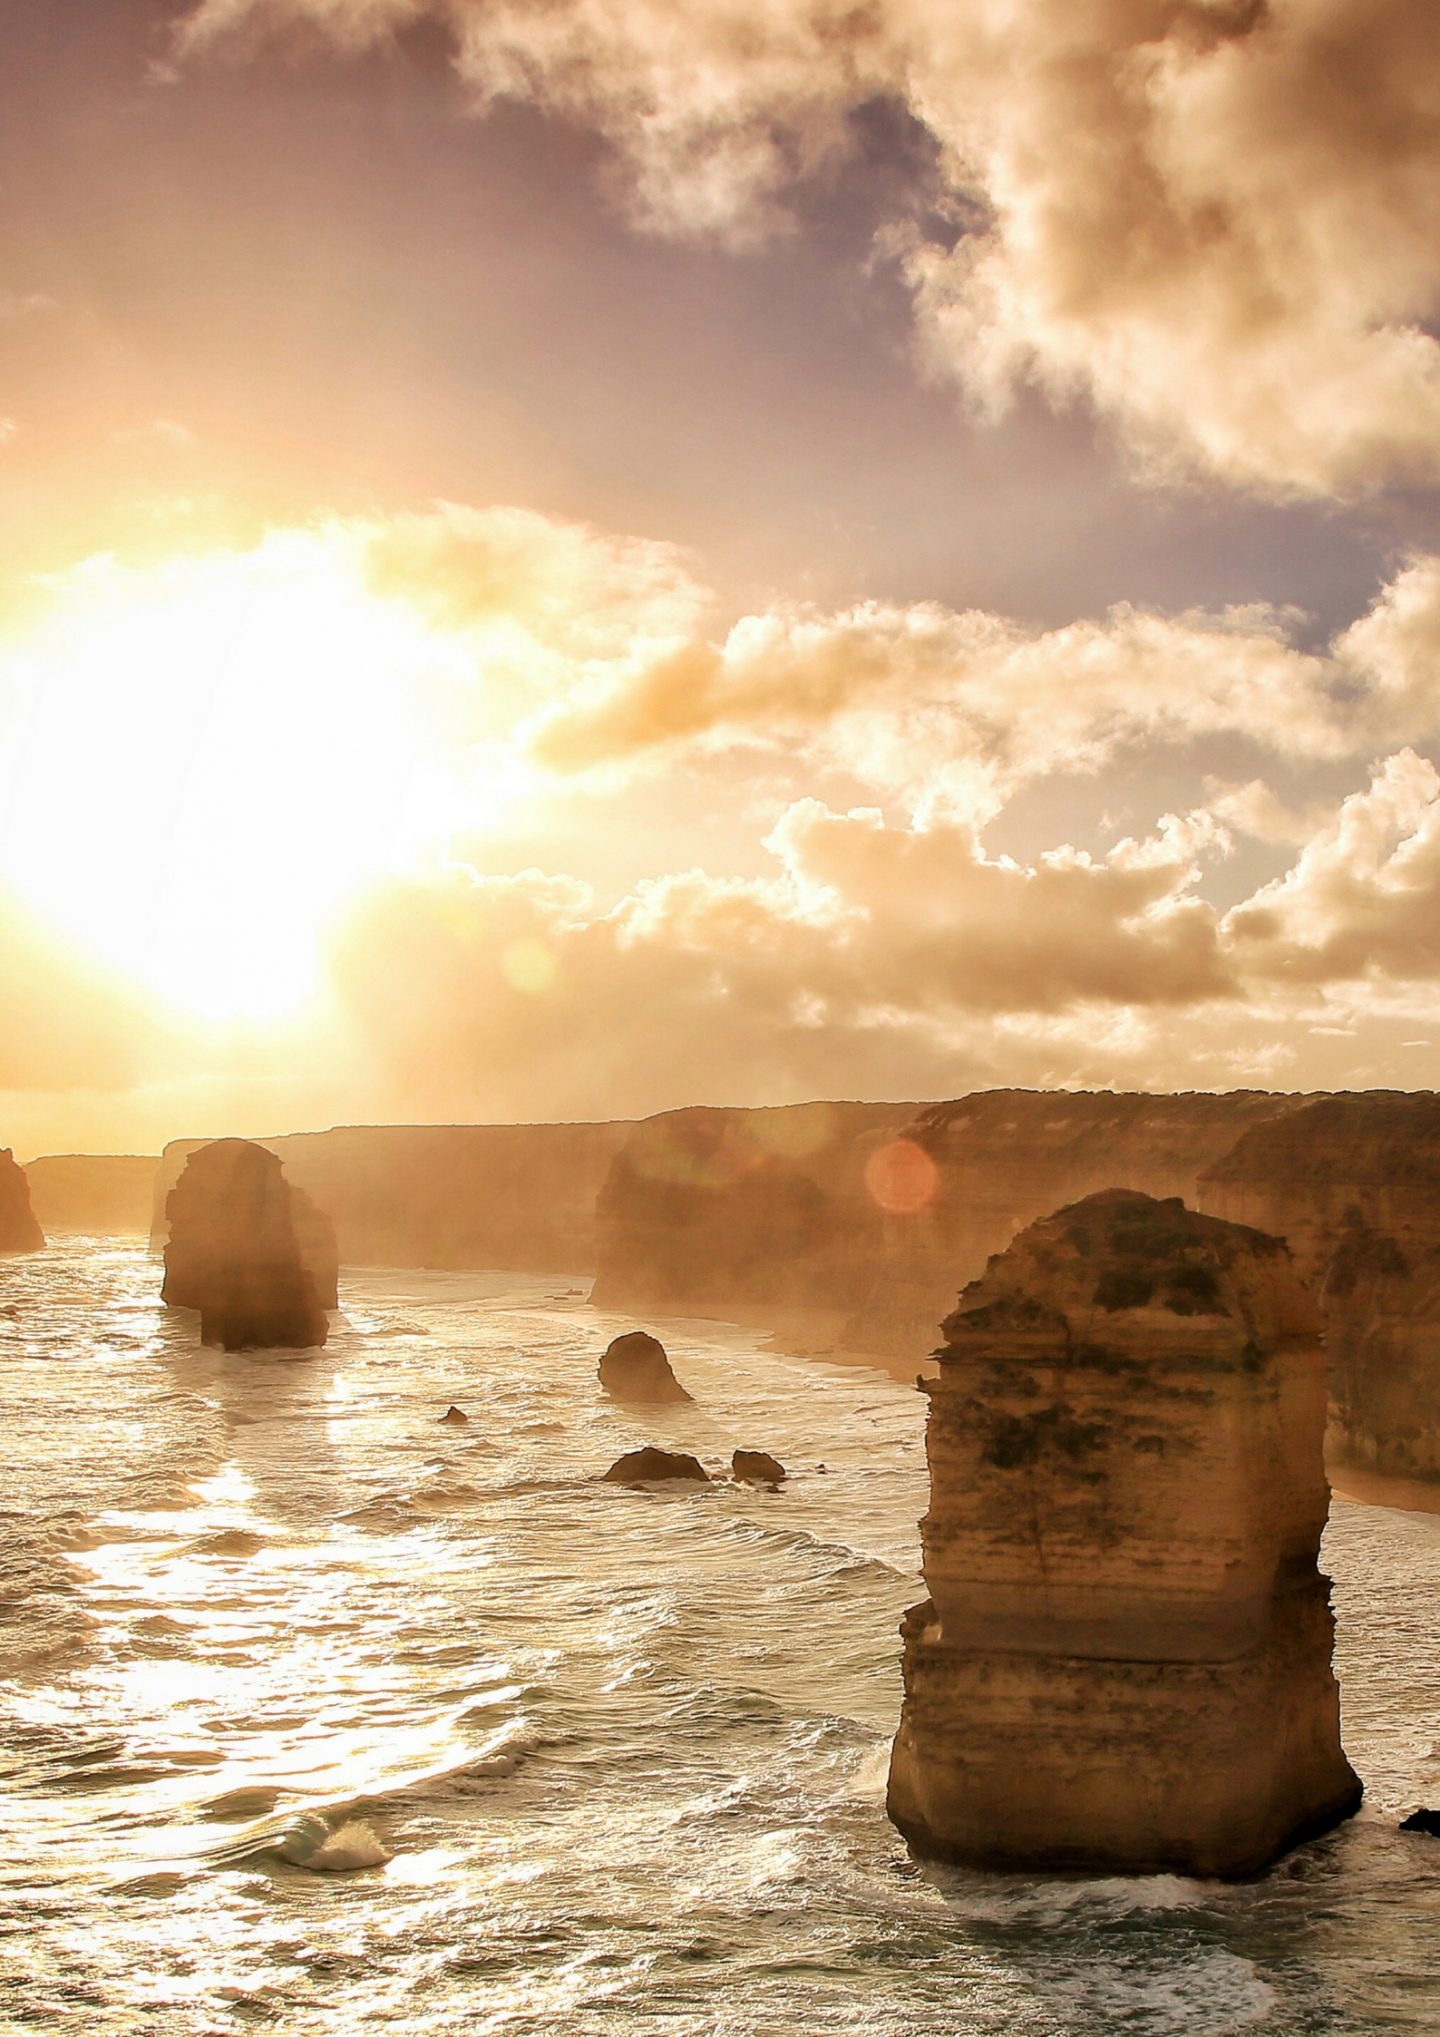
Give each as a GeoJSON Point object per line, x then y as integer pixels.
{"type": "Point", "coordinates": [1124, 1664]}
{"type": "Point", "coordinates": [237, 1251]}
{"type": "Point", "coordinates": [19, 1231]}
{"type": "Point", "coordinates": [636, 1367]}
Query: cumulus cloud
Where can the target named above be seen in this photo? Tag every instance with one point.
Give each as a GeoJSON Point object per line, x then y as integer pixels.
{"type": "Point", "coordinates": [591, 653]}
{"type": "Point", "coordinates": [872, 949]}
{"type": "Point", "coordinates": [1216, 221]}
{"type": "Point", "coordinates": [894, 689]}
{"type": "Point", "coordinates": [1363, 898]}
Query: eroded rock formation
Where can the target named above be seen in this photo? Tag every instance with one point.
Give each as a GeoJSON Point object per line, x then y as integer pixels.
{"type": "Point", "coordinates": [19, 1232]}
{"type": "Point", "coordinates": [757, 1467]}
{"type": "Point", "coordinates": [1124, 1663]}
{"type": "Point", "coordinates": [649, 1466]}
{"type": "Point", "coordinates": [239, 1236]}
{"type": "Point", "coordinates": [635, 1366]}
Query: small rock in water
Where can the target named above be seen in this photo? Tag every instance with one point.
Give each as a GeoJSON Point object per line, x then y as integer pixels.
{"type": "Point", "coordinates": [757, 1467]}
{"type": "Point", "coordinates": [644, 1467]}
{"type": "Point", "coordinates": [453, 1414]}
{"type": "Point", "coordinates": [1422, 1821]}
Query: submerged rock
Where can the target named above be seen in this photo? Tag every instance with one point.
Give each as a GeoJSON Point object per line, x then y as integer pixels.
{"type": "Point", "coordinates": [757, 1467]}
{"type": "Point", "coordinates": [234, 1253]}
{"type": "Point", "coordinates": [648, 1466]}
{"type": "Point", "coordinates": [635, 1367]}
{"type": "Point", "coordinates": [1422, 1821]}
{"type": "Point", "coordinates": [19, 1231]}
{"type": "Point", "coordinates": [455, 1416]}
{"type": "Point", "coordinates": [1125, 1661]}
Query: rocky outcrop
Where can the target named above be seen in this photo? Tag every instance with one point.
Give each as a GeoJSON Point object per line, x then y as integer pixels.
{"type": "Point", "coordinates": [757, 1467]}
{"type": "Point", "coordinates": [238, 1240]}
{"type": "Point", "coordinates": [520, 1197]}
{"type": "Point", "coordinates": [650, 1466]}
{"type": "Point", "coordinates": [105, 1193]}
{"type": "Point", "coordinates": [19, 1232]}
{"type": "Point", "coordinates": [1124, 1663]}
{"type": "Point", "coordinates": [1353, 1184]}
{"type": "Point", "coordinates": [635, 1367]}
{"type": "Point", "coordinates": [725, 1211]}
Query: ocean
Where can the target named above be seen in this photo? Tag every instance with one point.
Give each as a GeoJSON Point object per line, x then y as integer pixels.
{"type": "Point", "coordinates": [321, 1716]}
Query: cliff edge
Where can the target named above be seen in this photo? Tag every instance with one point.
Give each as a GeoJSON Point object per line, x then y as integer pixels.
{"type": "Point", "coordinates": [19, 1232]}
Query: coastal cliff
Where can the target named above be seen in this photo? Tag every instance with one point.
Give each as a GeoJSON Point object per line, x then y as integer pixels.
{"type": "Point", "coordinates": [1002, 1158]}
{"type": "Point", "coordinates": [252, 1255]}
{"type": "Point", "coordinates": [1353, 1183]}
{"type": "Point", "coordinates": [520, 1197]}
{"type": "Point", "coordinates": [19, 1231]}
{"type": "Point", "coordinates": [108, 1193]}
{"type": "Point", "coordinates": [1125, 1660]}
{"type": "Point", "coordinates": [729, 1210]}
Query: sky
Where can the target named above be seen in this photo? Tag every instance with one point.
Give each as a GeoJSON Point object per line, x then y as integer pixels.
{"type": "Point", "coordinates": [560, 558]}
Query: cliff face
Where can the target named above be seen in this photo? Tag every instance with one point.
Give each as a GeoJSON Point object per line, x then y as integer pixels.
{"type": "Point", "coordinates": [726, 1209]}
{"type": "Point", "coordinates": [1353, 1184]}
{"type": "Point", "coordinates": [514, 1196]}
{"type": "Point", "coordinates": [1004, 1157]}
{"type": "Point", "coordinates": [237, 1251]}
{"type": "Point", "coordinates": [19, 1232]}
{"type": "Point", "coordinates": [1124, 1663]}
{"type": "Point", "coordinates": [105, 1192]}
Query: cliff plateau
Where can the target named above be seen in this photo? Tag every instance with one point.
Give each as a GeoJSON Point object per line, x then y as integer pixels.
{"type": "Point", "coordinates": [1124, 1663]}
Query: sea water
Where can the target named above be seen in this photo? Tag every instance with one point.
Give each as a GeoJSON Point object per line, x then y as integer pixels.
{"type": "Point", "coordinates": [321, 1716]}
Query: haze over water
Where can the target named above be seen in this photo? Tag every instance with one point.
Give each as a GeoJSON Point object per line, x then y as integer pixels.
{"type": "Point", "coordinates": [625, 1749]}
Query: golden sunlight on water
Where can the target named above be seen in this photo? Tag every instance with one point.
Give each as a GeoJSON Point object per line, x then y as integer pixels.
{"type": "Point", "coordinates": [325, 1715]}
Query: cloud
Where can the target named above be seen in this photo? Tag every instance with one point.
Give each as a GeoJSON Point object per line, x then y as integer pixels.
{"type": "Point", "coordinates": [1215, 221]}
{"type": "Point", "coordinates": [871, 950]}
{"type": "Point", "coordinates": [887, 691]}
{"type": "Point", "coordinates": [1363, 898]}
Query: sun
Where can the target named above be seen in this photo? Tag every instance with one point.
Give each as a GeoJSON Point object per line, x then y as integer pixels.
{"type": "Point", "coordinates": [205, 762]}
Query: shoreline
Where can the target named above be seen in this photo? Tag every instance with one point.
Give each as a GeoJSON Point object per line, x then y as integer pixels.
{"type": "Point", "coordinates": [1352, 1485]}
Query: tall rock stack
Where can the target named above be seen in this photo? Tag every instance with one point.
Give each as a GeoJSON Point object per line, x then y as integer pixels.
{"type": "Point", "coordinates": [238, 1249]}
{"type": "Point", "coordinates": [19, 1231]}
{"type": "Point", "coordinates": [1125, 1660]}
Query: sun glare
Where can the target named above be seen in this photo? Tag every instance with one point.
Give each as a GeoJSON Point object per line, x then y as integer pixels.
{"type": "Point", "coordinates": [208, 761]}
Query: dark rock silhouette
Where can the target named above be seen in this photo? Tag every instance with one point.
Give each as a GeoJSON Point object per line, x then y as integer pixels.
{"type": "Point", "coordinates": [644, 1467]}
{"type": "Point", "coordinates": [1422, 1821]}
{"type": "Point", "coordinates": [636, 1367]}
{"type": "Point", "coordinates": [455, 1416]}
{"type": "Point", "coordinates": [235, 1251]}
{"type": "Point", "coordinates": [1125, 1661]}
{"type": "Point", "coordinates": [19, 1232]}
{"type": "Point", "coordinates": [757, 1467]}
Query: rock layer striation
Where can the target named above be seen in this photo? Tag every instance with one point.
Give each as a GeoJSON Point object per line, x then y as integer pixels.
{"type": "Point", "coordinates": [1125, 1660]}
{"type": "Point", "coordinates": [253, 1255]}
